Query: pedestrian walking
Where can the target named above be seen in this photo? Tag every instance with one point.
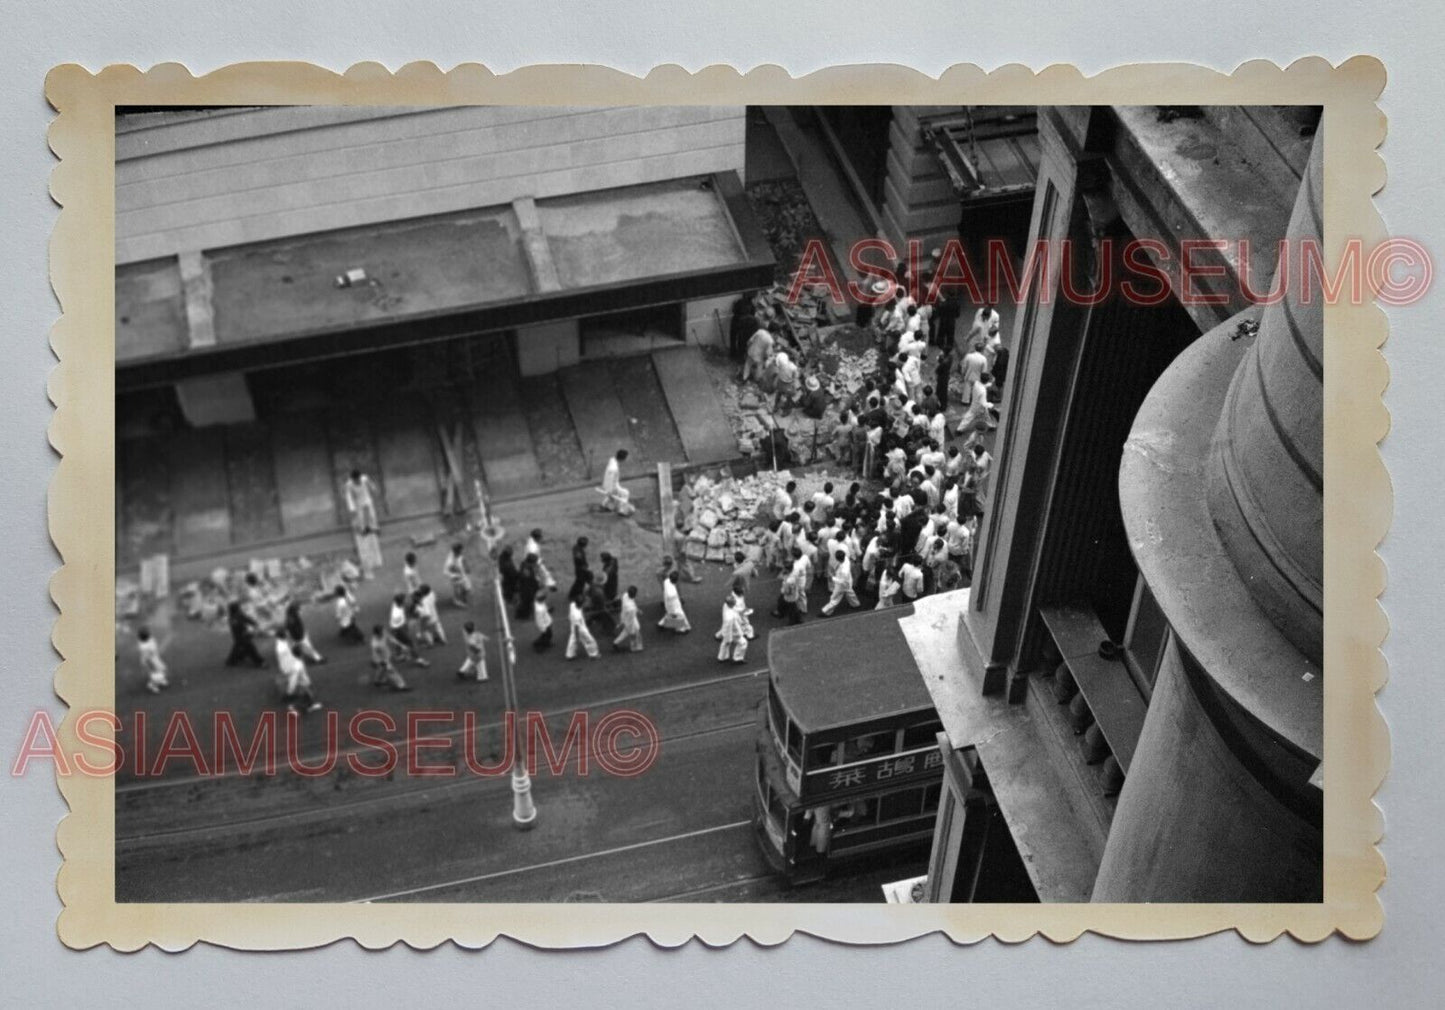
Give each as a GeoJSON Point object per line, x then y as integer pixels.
{"type": "Point", "coordinates": [888, 587]}
{"type": "Point", "coordinates": [789, 596]}
{"type": "Point", "coordinates": [733, 642]}
{"type": "Point", "coordinates": [296, 630]}
{"type": "Point", "coordinates": [360, 494]}
{"type": "Point", "coordinates": [243, 631]}
{"type": "Point", "coordinates": [474, 667]}
{"type": "Point", "coordinates": [398, 631]}
{"type": "Point", "coordinates": [346, 611]}
{"type": "Point", "coordinates": [982, 466]}
{"type": "Point", "coordinates": [597, 607]}
{"type": "Point", "coordinates": [802, 574]}
{"type": "Point", "coordinates": [942, 374]}
{"type": "Point", "coordinates": [577, 632]}
{"type": "Point", "coordinates": [673, 616]}
{"type": "Point", "coordinates": [842, 584]}
{"type": "Point", "coordinates": [630, 637]}
{"type": "Point", "coordinates": [616, 498]}
{"type": "Point", "coordinates": [534, 551]}
{"type": "Point", "coordinates": [581, 567]}
{"type": "Point", "coordinates": [151, 664]}
{"type": "Point", "coordinates": [910, 578]}
{"type": "Point", "coordinates": [383, 671]}
{"type": "Point", "coordinates": [542, 618]}
{"type": "Point", "coordinates": [976, 418]}
{"type": "Point", "coordinates": [528, 588]}
{"type": "Point", "coordinates": [823, 502]}
{"type": "Point", "coordinates": [609, 577]}
{"type": "Point", "coordinates": [428, 617]}
{"type": "Point", "coordinates": [985, 324]}
{"type": "Point", "coordinates": [458, 574]}
{"type": "Point", "coordinates": [291, 677]}
{"type": "Point", "coordinates": [410, 575]}
{"type": "Point", "coordinates": [783, 503]}
{"type": "Point", "coordinates": [511, 577]}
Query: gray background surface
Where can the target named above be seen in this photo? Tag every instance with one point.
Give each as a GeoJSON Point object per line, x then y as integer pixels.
{"type": "Point", "coordinates": [1400, 968]}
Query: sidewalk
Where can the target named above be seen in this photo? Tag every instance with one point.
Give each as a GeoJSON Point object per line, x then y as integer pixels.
{"type": "Point", "coordinates": [276, 485]}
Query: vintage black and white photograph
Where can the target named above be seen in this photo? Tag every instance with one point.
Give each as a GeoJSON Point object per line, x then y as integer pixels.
{"type": "Point", "coordinates": [719, 504]}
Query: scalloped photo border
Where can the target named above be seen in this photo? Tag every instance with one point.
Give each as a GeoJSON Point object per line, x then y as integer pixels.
{"type": "Point", "coordinates": [1358, 500]}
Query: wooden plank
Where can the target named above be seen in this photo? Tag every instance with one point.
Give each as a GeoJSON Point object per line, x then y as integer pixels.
{"type": "Point", "coordinates": [665, 506]}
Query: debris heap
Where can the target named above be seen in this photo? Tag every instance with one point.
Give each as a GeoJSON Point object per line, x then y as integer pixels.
{"type": "Point", "coordinates": [730, 514]}
{"type": "Point", "coordinates": [205, 600]}
{"type": "Point", "coordinates": [841, 371]}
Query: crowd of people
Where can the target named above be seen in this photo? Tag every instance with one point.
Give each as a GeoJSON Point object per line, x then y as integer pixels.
{"type": "Point", "coordinates": [904, 528]}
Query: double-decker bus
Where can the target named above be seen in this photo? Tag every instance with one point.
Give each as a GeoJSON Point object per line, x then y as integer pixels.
{"type": "Point", "coordinates": [847, 755]}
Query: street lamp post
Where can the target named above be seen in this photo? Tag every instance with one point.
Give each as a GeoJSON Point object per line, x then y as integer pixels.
{"type": "Point", "coordinates": [524, 811]}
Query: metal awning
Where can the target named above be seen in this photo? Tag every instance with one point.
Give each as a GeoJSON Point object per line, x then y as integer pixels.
{"type": "Point", "coordinates": [988, 152]}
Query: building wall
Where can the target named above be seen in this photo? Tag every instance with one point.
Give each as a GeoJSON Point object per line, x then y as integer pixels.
{"type": "Point", "coordinates": [187, 183]}
{"type": "Point", "coordinates": [918, 200]}
{"type": "Point", "coordinates": [547, 347]}
{"type": "Point", "coordinates": [1194, 824]}
{"type": "Point", "coordinates": [1045, 342]}
{"type": "Point", "coordinates": [703, 327]}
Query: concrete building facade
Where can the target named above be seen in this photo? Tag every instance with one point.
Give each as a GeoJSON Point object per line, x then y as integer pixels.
{"type": "Point", "coordinates": [301, 291]}
{"type": "Point", "coordinates": [1134, 683]}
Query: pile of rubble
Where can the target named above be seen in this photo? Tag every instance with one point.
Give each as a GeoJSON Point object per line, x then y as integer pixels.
{"type": "Point", "coordinates": [748, 408]}
{"type": "Point", "coordinates": [730, 514]}
{"type": "Point", "coordinates": [206, 600]}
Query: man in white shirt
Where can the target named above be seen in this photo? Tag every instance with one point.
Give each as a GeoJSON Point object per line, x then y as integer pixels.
{"type": "Point", "coordinates": [977, 412]}
{"type": "Point", "coordinates": [617, 496]}
{"type": "Point", "coordinates": [360, 503]}
{"type": "Point", "coordinates": [842, 583]}
{"type": "Point", "coordinates": [974, 364]}
{"type": "Point", "coordinates": [823, 503]}
{"type": "Point", "coordinates": [982, 467]}
{"type": "Point", "coordinates": [760, 349]}
{"type": "Point", "coordinates": [534, 549]}
{"type": "Point", "coordinates": [911, 577]}
{"type": "Point", "coordinates": [985, 323]}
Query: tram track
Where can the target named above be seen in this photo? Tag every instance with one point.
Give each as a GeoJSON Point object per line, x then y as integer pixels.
{"type": "Point", "coordinates": [142, 787]}
{"type": "Point", "coordinates": [340, 811]}
{"type": "Point", "coordinates": [554, 864]}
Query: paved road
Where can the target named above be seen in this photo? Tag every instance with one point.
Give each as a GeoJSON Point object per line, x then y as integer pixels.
{"type": "Point", "coordinates": [680, 831]}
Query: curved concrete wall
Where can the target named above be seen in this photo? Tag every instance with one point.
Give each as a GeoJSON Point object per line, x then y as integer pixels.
{"type": "Point", "coordinates": [1194, 823]}
{"type": "Point", "coordinates": [1267, 465]}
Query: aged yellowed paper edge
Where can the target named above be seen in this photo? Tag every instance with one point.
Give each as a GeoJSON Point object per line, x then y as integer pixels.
{"type": "Point", "coordinates": [1357, 499]}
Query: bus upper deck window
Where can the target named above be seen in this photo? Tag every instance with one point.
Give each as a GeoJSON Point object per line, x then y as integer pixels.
{"type": "Point", "coordinates": [868, 745]}
{"type": "Point", "coordinates": [824, 755]}
{"type": "Point", "coordinates": [795, 742]}
{"type": "Point", "coordinates": [921, 735]}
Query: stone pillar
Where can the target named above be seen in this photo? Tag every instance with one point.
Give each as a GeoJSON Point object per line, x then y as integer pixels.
{"type": "Point", "coordinates": [1222, 497]}
{"type": "Point", "coordinates": [1266, 487]}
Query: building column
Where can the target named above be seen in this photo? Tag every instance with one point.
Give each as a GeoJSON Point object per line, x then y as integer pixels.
{"type": "Point", "coordinates": [1223, 501]}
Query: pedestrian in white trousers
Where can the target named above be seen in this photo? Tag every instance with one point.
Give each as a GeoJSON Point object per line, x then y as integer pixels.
{"type": "Point", "coordinates": [578, 633]}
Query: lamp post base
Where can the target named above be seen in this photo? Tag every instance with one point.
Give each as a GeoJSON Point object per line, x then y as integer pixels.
{"type": "Point", "coordinates": [524, 811]}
